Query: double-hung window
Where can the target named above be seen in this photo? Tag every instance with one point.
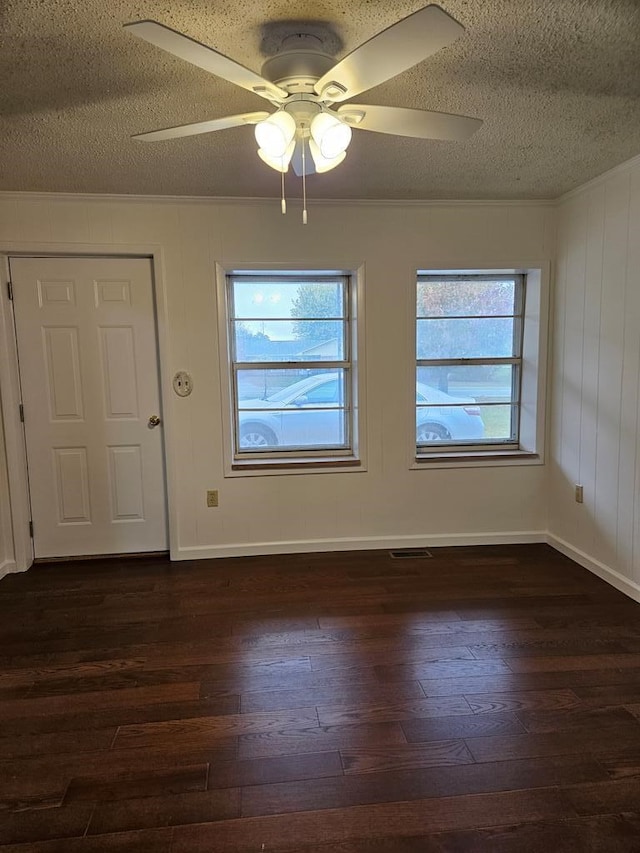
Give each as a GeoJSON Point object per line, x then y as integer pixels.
{"type": "Point", "coordinates": [290, 349]}
{"type": "Point", "coordinates": [469, 336]}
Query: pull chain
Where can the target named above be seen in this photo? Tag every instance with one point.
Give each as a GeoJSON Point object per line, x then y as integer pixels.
{"type": "Point", "coordinates": [283, 202]}
{"type": "Point", "coordinates": [304, 186]}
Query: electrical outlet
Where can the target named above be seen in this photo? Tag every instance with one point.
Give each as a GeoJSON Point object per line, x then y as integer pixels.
{"type": "Point", "coordinates": [579, 494]}
{"type": "Point", "coordinates": [212, 497]}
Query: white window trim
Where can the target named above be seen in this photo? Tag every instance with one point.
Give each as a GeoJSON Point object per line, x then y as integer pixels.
{"type": "Point", "coordinates": [530, 450]}
{"type": "Point", "coordinates": [315, 462]}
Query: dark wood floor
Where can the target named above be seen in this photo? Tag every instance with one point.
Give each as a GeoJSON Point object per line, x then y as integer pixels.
{"type": "Point", "coordinates": [487, 699]}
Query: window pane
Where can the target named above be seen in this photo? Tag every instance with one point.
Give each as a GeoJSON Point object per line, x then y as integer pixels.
{"type": "Point", "coordinates": [465, 298]}
{"type": "Point", "coordinates": [288, 409]}
{"type": "Point", "coordinates": [286, 299]}
{"type": "Point", "coordinates": [284, 340]}
{"type": "Point", "coordinates": [468, 338]}
{"type": "Point", "coordinates": [491, 383]}
{"type": "Point", "coordinates": [460, 403]}
{"type": "Point", "coordinates": [435, 424]}
{"type": "Point", "coordinates": [497, 422]}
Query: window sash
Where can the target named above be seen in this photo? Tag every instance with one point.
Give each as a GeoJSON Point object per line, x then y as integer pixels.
{"type": "Point", "coordinates": [344, 366]}
{"type": "Point", "coordinates": [515, 360]}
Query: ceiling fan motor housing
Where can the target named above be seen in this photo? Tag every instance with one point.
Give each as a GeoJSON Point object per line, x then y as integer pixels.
{"type": "Point", "coordinates": [299, 64]}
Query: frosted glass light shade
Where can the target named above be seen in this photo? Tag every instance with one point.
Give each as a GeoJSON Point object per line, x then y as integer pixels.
{"type": "Point", "coordinates": [275, 134]}
{"type": "Point", "coordinates": [323, 164]}
{"type": "Point", "coordinates": [331, 135]}
{"type": "Point", "coordinates": [280, 164]}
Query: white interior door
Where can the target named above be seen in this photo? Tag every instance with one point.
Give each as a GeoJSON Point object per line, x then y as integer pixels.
{"type": "Point", "coordinates": [90, 382]}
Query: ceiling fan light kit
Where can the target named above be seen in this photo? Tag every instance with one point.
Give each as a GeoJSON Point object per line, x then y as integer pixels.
{"type": "Point", "coordinates": [279, 163]}
{"type": "Point", "coordinates": [322, 163]}
{"type": "Point", "coordinates": [331, 135]}
{"type": "Point", "coordinates": [303, 83]}
{"type": "Point", "coordinates": [275, 134]}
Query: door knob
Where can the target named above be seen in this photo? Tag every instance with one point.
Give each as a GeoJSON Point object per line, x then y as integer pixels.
{"type": "Point", "coordinates": [154, 421]}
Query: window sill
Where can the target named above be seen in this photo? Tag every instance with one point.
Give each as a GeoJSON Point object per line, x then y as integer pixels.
{"type": "Point", "coordinates": [476, 459]}
{"type": "Point", "coordinates": [315, 465]}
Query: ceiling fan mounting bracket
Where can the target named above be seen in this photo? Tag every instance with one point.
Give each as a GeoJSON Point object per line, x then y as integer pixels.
{"type": "Point", "coordinates": [301, 41]}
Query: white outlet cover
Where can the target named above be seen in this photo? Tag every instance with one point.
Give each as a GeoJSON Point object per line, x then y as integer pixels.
{"type": "Point", "coordinates": [182, 383]}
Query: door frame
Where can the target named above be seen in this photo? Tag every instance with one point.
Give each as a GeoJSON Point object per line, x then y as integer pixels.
{"type": "Point", "coordinates": [11, 397]}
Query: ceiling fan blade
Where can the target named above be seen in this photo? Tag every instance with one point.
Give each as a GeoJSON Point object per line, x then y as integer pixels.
{"type": "Point", "coordinates": [296, 160]}
{"type": "Point", "coordinates": [205, 57]}
{"type": "Point", "coordinates": [201, 127]}
{"type": "Point", "coordinates": [392, 51]}
{"type": "Point", "coordinates": [423, 124]}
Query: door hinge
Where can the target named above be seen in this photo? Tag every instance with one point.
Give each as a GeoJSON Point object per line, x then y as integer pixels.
{"type": "Point", "coordinates": [10, 290]}
{"type": "Point", "coordinates": [31, 529]}
{"type": "Point", "coordinates": [21, 409]}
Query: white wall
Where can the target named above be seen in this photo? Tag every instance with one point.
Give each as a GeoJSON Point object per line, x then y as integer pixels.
{"type": "Point", "coordinates": [387, 504]}
{"type": "Point", "coordinates": [595, 421]}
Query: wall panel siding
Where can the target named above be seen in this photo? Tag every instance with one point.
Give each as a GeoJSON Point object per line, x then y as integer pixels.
{"type": "Point", "coordinates": [391, 241]}
{"type": "Point", "coordinates": [627, 491]}
{"type": "Point", "coordinates": [591, 356]}
{"type": "Point", "coordinates": [595, 424]}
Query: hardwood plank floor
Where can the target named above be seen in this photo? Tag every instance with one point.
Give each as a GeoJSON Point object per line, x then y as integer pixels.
{"type": "Point", "coordinates": [486, 700]}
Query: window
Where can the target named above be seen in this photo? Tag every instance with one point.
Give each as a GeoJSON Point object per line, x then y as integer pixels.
{"type": "Point", "coordinates": [290, 340]}
{"type": "Point", "coordinates": [469, 346]}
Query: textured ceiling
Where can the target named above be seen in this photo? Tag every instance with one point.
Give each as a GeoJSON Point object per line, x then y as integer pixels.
{"type": "Point", "coordinates": [557, 83]}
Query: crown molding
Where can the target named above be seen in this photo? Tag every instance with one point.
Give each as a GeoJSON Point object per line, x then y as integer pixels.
{"type": "Point", "coordinates": [14, 195]}
{"type": "Point", "coordinates": [17, 195]}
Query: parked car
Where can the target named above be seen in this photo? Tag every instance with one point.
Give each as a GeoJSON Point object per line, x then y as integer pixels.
{"type": "Point", "coordinates": [308, 413]}
{"type": "Point", "coordinates": [446, 418]}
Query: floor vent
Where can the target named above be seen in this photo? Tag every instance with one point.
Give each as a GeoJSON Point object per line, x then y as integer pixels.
{"type": "Point", "coordinates": [411, 554]}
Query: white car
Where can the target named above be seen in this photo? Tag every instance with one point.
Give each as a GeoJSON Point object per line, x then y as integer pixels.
{"type": "Point", "coordinates": [311, 413]}
{"type": "Point", "coordinates": [441, 417]}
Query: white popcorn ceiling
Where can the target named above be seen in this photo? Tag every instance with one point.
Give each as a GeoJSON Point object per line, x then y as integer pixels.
{"type": "Point", "coordinates": [557, 83]}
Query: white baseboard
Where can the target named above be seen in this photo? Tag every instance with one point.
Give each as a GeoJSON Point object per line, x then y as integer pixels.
{"type": "Point", "coordinates": [606, 573]}
{"type": "Point", "coordinates": [302, 546]}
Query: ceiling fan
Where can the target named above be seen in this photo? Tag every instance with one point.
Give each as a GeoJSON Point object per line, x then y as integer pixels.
{"type": "Point", "coordinates": [304, 84]}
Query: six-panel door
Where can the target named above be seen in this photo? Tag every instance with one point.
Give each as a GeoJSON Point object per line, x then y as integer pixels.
{"type": "Point", "coordinates": [89, 372]}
